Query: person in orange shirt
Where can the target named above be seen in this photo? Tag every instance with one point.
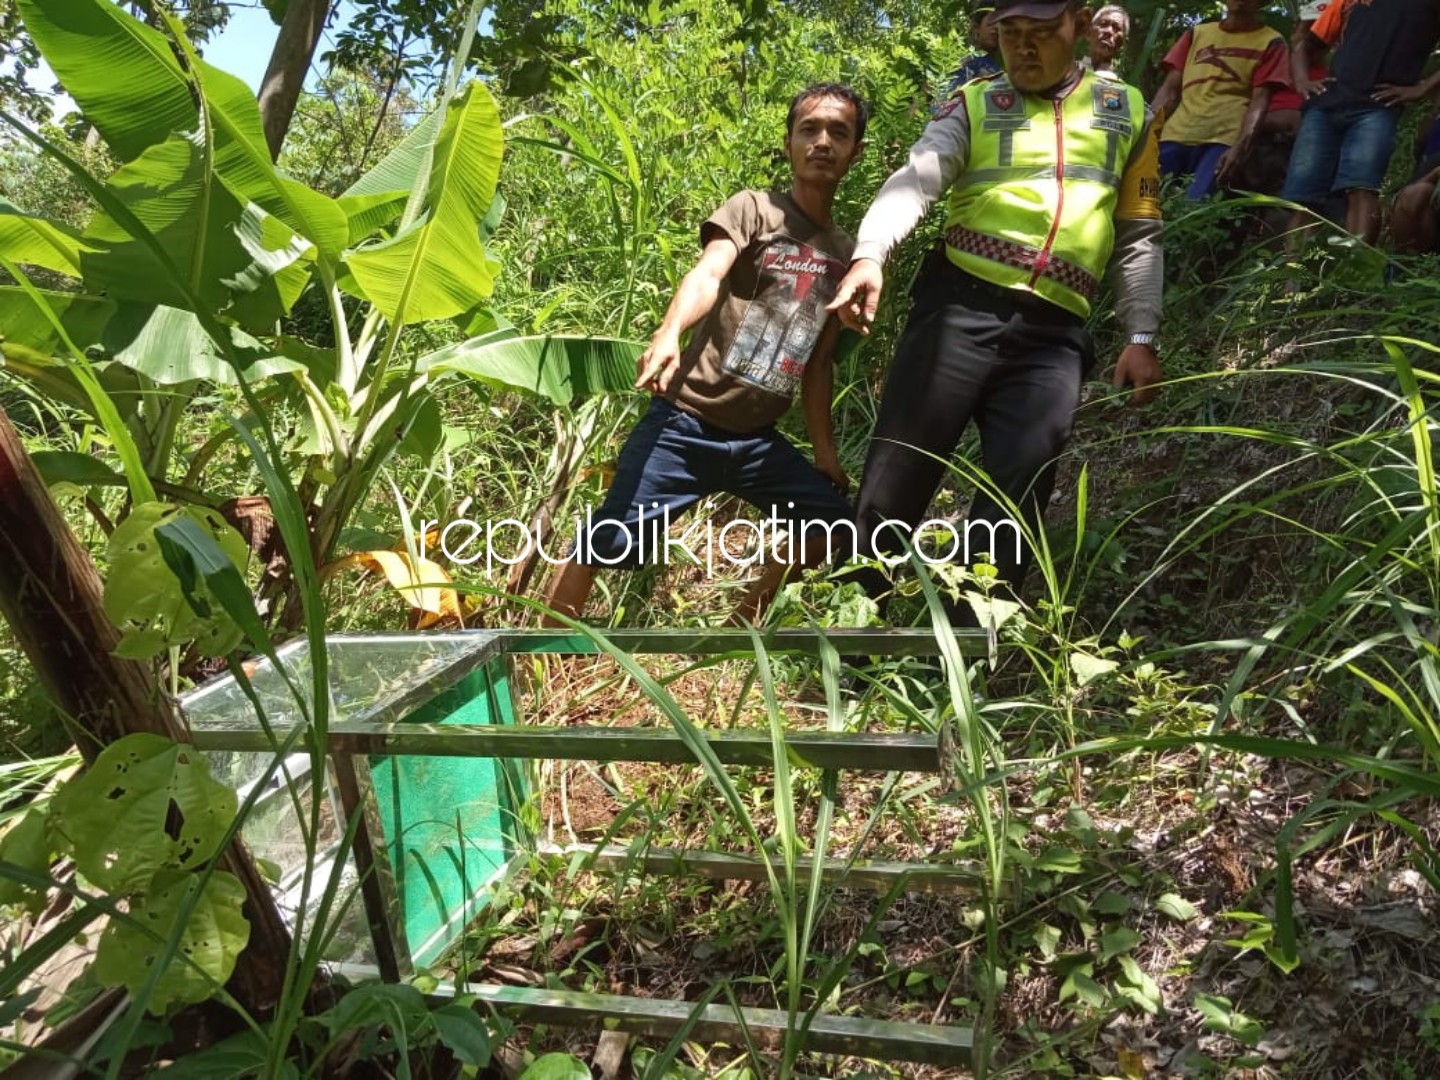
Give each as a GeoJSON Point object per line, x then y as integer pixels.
{"type": "Point", "coordinates": [1219, 79]}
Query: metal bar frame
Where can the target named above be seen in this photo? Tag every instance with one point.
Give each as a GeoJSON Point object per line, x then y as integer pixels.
{"type": "Point", "coordinates": [377, 732]}
{"type": "Point", "coordinates": [791, 640]}
{"type": "Point", "coordinates": [378, 893]}
{"type": "Point", "coordinates": [888, 1040]}
{"type": "Point", "coordinates": [726, 866]}
{"type": "Point", "coordinates": [865, 752]}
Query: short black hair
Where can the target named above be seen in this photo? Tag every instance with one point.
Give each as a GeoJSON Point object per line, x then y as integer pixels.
{"type": "Point", "coordinates": [830, 89]}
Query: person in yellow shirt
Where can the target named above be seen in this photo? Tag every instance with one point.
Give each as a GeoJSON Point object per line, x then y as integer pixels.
{"type": "Point", "coordinates": [1219, 77]}
{"type": "Point", "coordinates": [1050, 178]}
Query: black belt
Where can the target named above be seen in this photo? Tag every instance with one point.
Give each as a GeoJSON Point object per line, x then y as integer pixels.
{"type": "Point", "coordinates": [997, 298]}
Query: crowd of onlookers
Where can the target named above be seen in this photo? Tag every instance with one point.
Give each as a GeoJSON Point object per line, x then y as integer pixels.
{"type": "Point", "coordinates": [1314, 120]}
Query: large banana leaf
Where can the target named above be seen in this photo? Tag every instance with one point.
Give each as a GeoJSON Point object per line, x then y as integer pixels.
{"type": "Point", "coordinates": [121, 73]}
{"type": "Point", "coordinates": [212, 244]}
{"type": "Point", "coordinates": [242, 159]}
{"type": "Point", "coordinates": [560, 368]}
{"type": "Point", "coordinates": [23, 324]}
{"type": "Point", "coordinates": [169, 346]}
{"type": "Point", "coordinates": [378, 197]}
{"type": "Point", "coordinates": [37, 241]}
{"type": "Point", "coordinates": [127, 82]}
{"type": "Point", "coordinates": [58, 382]}
{"type": "Point", "coordinates": [436, 267]}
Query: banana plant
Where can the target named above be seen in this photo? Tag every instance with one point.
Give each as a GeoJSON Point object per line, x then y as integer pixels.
{"type": "Point", "coordinates": [199, 249]}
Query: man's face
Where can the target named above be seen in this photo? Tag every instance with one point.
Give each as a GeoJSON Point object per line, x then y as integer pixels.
{"type": "Point", "coordinates": [821, 144]}
{"type": "Point", "coordinates": [1038, 53]}
{"type": "Point", "coordinates": [1245, 8]}
{"type": "Point", "coordinates": [985, 35]}
{"type": "Point", "coordinates": [1107, 34]}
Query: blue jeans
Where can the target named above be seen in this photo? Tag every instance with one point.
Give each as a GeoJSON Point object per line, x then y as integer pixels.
{"type": "Point", "coordinates": [672, 460]}
{"type": "Point", "coordinates": [1340, 150]}
{"type": "Point", "coordinates": [1199, 160]}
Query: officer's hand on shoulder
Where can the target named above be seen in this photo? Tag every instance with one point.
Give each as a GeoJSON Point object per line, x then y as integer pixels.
{"type": "Point", "coordinates": [1139, 366]}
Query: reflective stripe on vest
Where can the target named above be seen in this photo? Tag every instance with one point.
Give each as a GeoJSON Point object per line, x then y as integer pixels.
{"type": "Point", "coordinates": [1035, 206]}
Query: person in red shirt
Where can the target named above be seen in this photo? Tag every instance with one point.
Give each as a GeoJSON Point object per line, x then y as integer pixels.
{"type": "Point", "coordinates": [1219, 79]}
{"type": "Point", "coordinates": [1283, 115]}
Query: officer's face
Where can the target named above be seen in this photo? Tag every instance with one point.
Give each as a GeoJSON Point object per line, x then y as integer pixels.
{"type": "Point", "coordinates": [1038, 53]}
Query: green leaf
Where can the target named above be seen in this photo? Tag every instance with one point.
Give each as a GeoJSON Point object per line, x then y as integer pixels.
{"type": "Point", "coordinates": [70, 467]}
{"type": "Point", "coordinates": [242, 160]}
{"type": "Point", "coordinates": [557, 1066]}
{"type": "Point", "coordinates": [210, 940]}
{"type": "Point", "coordinates": [205, 568]}
{"type": "Point", "coordinates": [1058, 859]}
{"type": "Point", "coordinates": [1088, 668]}
{"type": "Point", "coordinates": [425, 434]}
{"type": "Point", "coordinates": [147, 804]}
{"type": "Point", "coordinates": [378, 198]}
{"type": "Point", "coordinates": [1119, 940]}
{"type": "Point", "coordinates": [22, 322]}
{"type": "Point", "coordinates": [240, 1056]}
{"type": "Point", "coordinates": [14, 1008]}
{"type": "Point", "coordinates": [436, 267]}
{"type": "Point", "coordinates": [28, 845]}
{"type": "Point", "coordinates": [1047, 940]}
{"type": "Point", "coordinates": [1111, 903]}
{"type": "Point", "coordinates": [37, 241]}
{"type": "Point", "coordinates": [144, 597]}
{"type": "Point", "coordinates": [1079, 984]}
{"type": "Point", "coordinates": [1221, 1015]}
{"type": "Point", "coordinates": [559, 368]}
{"type": "Point", "coordinates": [398, 1005]}
{"type": "Point", "coordinates": [1138, 986]}
{"type": "Point", "coordinates": [991, 610]}
{"type": "Point", "coordinates": [121, 73]}
{"type": "Point", "coordinates": [221, 249]}
{"type": "Point", "coordinates": [1176, 906]}
{"type": "Point", "coordinates": [462, 1030]}
{"type": "Point", "coordinates": [170, 347]}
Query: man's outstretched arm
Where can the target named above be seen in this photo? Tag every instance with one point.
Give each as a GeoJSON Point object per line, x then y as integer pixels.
{"type": "Point", "coordinates": [936, 159]}
{"type": "Point", "coordinates": [698, 291]}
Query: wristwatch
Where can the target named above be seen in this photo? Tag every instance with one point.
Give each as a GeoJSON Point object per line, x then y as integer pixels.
{"type": "Point", "coordinates": [1142, 339]}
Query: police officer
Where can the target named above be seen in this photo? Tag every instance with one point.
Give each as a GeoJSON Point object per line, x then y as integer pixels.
{"type": "Point", "coordinates": [1050, 175]}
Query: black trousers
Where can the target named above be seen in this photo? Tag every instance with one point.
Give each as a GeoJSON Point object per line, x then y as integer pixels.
{"type": "Point", "coordinates": [1008, 360]}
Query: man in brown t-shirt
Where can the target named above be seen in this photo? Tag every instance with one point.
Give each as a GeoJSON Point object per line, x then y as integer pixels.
{"type": "Point", "coordinates": [770, 264]}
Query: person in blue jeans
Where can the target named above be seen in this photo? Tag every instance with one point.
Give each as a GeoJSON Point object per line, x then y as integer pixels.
{"type": "Point", "coordinates": [770, 263]}
{"type": "Point", "coordinates": [1348, 126]}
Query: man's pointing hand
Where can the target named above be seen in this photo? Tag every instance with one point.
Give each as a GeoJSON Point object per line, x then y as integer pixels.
{"type": "Point", "coordinates": [859, 295]}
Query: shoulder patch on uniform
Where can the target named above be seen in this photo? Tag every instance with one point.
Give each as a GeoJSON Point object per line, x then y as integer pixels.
{"type": "Point", "coordinates": [949, 107]}
{"type": "Point", "coordinates": [1112, 108]}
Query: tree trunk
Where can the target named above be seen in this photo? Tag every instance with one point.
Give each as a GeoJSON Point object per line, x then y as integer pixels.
{"type": "Point", "coordinates": [289, 62]}
{"type": "Point", "coordinates": [50, 594]}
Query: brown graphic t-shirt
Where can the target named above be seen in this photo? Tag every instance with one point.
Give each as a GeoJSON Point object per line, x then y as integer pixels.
{"type": "Point", "coordinates": [745, 360]}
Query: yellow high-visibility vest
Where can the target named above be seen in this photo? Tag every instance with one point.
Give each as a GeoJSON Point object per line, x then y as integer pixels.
{"type": "Point", "coordinates": [1034, 208]}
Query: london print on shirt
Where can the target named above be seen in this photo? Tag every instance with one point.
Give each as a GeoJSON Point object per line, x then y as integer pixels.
{"type": "Point", "coordinates": [783, 322]}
